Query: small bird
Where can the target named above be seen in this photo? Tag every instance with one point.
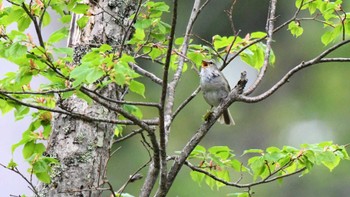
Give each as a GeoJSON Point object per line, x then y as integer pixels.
{"type": "Point", "coordinates": [215, 88]}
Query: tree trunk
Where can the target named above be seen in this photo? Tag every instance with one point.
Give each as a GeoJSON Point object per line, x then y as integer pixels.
{"type": "Point", "coordinates": [83, 148]}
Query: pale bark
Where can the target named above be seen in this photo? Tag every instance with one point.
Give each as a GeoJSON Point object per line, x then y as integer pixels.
{"type": "Point", "coordinates": [83, 148]}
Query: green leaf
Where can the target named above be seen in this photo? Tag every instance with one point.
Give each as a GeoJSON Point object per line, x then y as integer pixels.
{"type": "Point", "coordinates": [160, 6]}
{"type": "Point", "coordinates": [84, 97]}
{"type": "Point", "coordinates": [253, 151]}
{"type": "Point", "coordinates": [23, 22]}
{"type": "Point", "coordinates": [66, 18]}
{"type": "Point", "coordinates": [295, 28]}
{"type": "Point", "coordinates": [210, 182]}
{"type": "Point", "coordinates": [257, 164]}
{"type": "Point", "coordinates": [330, 36]}
{"type": "Point", "coordinates": [94, 75]}
{"type": "Point", "coordinates": [254, 55]}
{"type": "Point", "coordinates": [155, 52]}
{"type": "Point", "coordinates": [82, 22]}
{"type": "Point", "coordinates": [118, 131]}
{"type": "Point", "coordinates": [240, 194]}
{"type": "Point", "coordinates": [105, 47]}
{"type": "Point", "coordinates": [272, 149]}
{"type": "Point", "coordinates": [298, 4]}
{"type": "Point", "coordinates": [80, 8]}
{"type": "Point", "coordinates": [79, 74]}
{"type": "Point", "coordinates": [238, 166]}
{"type": "Point", "coordinates": [58, 35]}
{"type": "Point", "coordinates": [198, 150]}
{"type": "Point", "coordinates": [139, 34]}
{"type": "Point", "coordinates": [258, 34]}
{"type": "Point", "coordinates": [43, 177]}
{"type": "Point", "coordinates": [312, 7]}
{"type": "Point", "coordinates": [21, 112]}
{"type": "Point", "coordinates": [329, 159]}
{"type": "Point", "coordinates": [126, 59]}
{"type": "Point", "coordinates": [224, 175]}
{"type": "Point", "coordinates": [31, 148]}
{"type": "Point", "coordinates": [64, 50]}
{"type": "Point", "coordinates": [290, 149]}
{"type": "Point", "coordinates": [40, 166]}
{"type": "Point", "coordinates": [222, 42]}
{"type": "Point", "coordinates": [12, 164]}
{"type": "Point", "coordinates": [179, 41]}
{"type": "Point", "coordinates": [16, 50]}
{"type": "Point", "coordinates": [133, 110]}
{"type": "Point", "coordinates": [196, 57]}
{"type": "Point", "coordinates": [137, 87]}
{"type": "Point", "coordinates": [197, 176]}
{"type": "Point", "coordinates": [46, 19]}
{"type": "Point", "coordinates": [125, 195]}
{"type": "Point", "coordinates": [143, 23]}
{"type": "Point", "coordinates": [222, 152]}
{"type": "Point", "coordinates": [28, 149]}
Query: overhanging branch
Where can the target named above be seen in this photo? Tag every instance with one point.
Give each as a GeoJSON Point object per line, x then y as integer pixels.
{"type": "Point", "coordinates": [317, 60]}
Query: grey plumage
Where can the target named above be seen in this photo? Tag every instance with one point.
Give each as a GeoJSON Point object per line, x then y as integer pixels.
{"type": "Point", "coordinates": [215, 88]}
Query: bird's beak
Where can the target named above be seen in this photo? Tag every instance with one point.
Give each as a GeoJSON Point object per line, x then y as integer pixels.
{"type": "Point", "coordinates": [204, 63]}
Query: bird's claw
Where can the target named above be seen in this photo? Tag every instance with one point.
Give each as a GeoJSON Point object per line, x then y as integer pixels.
{"type": "Point", "coordinates": [207, 115]}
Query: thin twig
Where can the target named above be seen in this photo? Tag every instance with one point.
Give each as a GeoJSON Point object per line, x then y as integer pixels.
{"type": "Point", "coordinates": [31, 185]}
{"type": "Point", "coordinates": [38, 92]}
{"type": "Point", "coordinates": [36, 25]}
{"type": "Point", "coordinates": [127, 136]}
{"type": "Point", "coordinates": [185, 102]}
{"type": "Point", "coordinates": [164, 93]}
{"type": "Point", "coordinates": [229, 14]}
{"type": "Point", "coordinates": [41, 19]}
{"type": "Point", "coordinates": [248, 185]}
{"type": "Point", "coordinates": [134, 176]}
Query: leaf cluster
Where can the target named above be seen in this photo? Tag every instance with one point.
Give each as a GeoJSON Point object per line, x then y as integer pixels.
{"type": "Point", "coordinates": [217, 163]}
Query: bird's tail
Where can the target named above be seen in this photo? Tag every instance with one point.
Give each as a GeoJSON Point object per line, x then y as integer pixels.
{"type": "Point", "coordinates": [226, 118]}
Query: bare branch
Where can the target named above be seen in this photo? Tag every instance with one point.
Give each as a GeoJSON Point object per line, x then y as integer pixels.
{"type": "Point", "coordinates": [263, 38]}
{"type": "Point", "coordinates": [248, 185]}
{"type": "Point", "coordinates": [197, 8]}
{"type": "Point", "coordinates": [269, 30]}
{"type": "Point", "coordinates": [36, 25]}
{"type": "Point", "coordinates": [145, 73]}
{"type": "Point", "coordinates": [75, 115]}
{"type": "Point", "coordinates": [317, 60]}
{"type": "Point", "coordinates": [43, 13]}
{"type": "Point", "coordinates": [162, 119]}
{"type": "Point", "coordinates": [118, 109]}
{"type": "Point", "coordinates": [147, 104]}
{"type": "Point", "coordinates": [185, 102]}
{"type": "Point", "coordinates": [38, 92]}
{"type": "Point", "coordinates": [128, 136]}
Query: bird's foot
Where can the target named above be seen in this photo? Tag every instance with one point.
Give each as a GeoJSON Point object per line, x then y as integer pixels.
{"type": "Point", "coordinates": [207, 115]}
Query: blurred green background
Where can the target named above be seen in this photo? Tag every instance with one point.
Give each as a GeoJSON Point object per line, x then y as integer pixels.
{"type": "Point", "coordinates": [311, 108]}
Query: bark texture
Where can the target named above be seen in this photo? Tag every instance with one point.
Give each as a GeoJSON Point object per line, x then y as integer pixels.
{"type": "Point", "coordinates": [83, 148]}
